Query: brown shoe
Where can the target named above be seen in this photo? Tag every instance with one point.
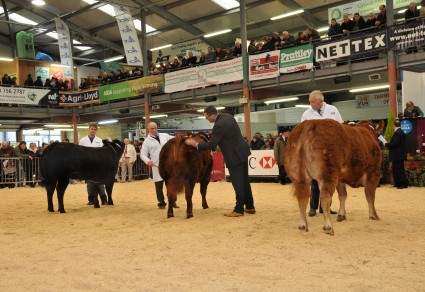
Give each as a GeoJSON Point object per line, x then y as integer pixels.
{"type": "Point", "coordinates": [233, 214]}
{"type": "Point", "coordinates": [250, 211]}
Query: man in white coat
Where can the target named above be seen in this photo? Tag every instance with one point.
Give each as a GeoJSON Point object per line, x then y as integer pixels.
{"type": "Point", "coordinates": [127, 160]}
{"type": "Point", "coordinates": [150, 155]}
{"type": "Point", "coordinates": [94, 188]}
{"type": "Point", "coordinates": [319, 110]}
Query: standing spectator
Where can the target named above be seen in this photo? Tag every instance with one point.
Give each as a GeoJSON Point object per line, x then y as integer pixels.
{"type": "Point", "coordinates": [28, 81]}
{"type": "Point", "coordinates": [301, 38]}
{"type": "Point", "coordinates": [38, 82]}
{"type": "Point", "coordinates": [347, 24]}
{"type": "Point", "coordinates": [287, 39]}
{"type": "Point", "coordinates": [382, 16]}
{"type": "Point", "coordinates": [94, 188]}
{"type": "Point", "coordinates": [127, 160]}
{"type": "Point", "coordinates": [14, 82]}
{"type": "Point", "coordinates": [47, 83]}
{"type": "Point", "coordinates": [228, 54]}
{"type": "Point", "coordinates": [266, 145]}
{"type": "Point", "coordinates": [358, 22]}
{"type": "Point", "coordinates": [8, 166]}
{"type": "Point", "coordinates": [312, 35]}
{"type": "Point", "coordinates": [210, 57]}
{"type": "Point", "coordinates": [319, 110]}
{"type": "Point", "coordinates": [228, 137]}
{"type": "Point", "coordinates": [150, 155]}
{"type": "Point", "coordinates": [279, 154]}
{"type": "Point", "coordinates": [275, 40]}
{"type": "Point", "coordinates": [237, 50]}
{"type": "Point", "coordinates": [252, 48]}
{"type": "Point", "coordinates": [334, 29]}
{"type": "Point", "coordinates": [397, 147]}
{"type": "Point", "coordinates": [21, 152]}
{"type": "Point", "coordinates": [412, 111]}
{"type": "Point", "coordinates": [422, 10]}
{"type": "Point", "coordinates": [219, 54]}
{"type": "Point", "coordinates": [6, 80]}
{"type": "Point", "coordinates": [202, 58]}
{"type": "Point", "coordinates": [371, 20]}
{"type": "Point", "coordinates": [191, 60]}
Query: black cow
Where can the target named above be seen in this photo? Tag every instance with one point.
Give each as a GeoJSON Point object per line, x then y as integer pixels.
{"type": "Point", "coordinates": [62, 161]}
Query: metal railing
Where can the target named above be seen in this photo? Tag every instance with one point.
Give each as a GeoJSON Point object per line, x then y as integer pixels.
{"type": "Point", "coordinates": [18, 172]}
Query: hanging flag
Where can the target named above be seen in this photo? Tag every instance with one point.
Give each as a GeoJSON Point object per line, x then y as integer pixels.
{"type": "Point", "coordinates": [128, 33]}
{"type": "Point", "coordinates": [65, 51]}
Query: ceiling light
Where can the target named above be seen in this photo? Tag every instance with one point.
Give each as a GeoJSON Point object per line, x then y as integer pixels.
{"type": "Point", "coordinates": [21, 19]}
{"type": "Point", "coordinates": [160, 48]}
{"type": "Point", "coordinates": [281, 100]}
{"type": "Point", "coordinates": [59, 65]}
{"type": "Point", "coordinates": [402, 11]}
{"type": "Point", "coordinates": [287, 14]}
{"type": "Point", "coordinates": [227, 4]}
{"type": "Point", "coordinates": [220, 108]}
{"type": "Point", "coordinates": [302, 105]}
{"type": "Point", "coordinates": [107, 122]}
{"type": "Point", "coordinates": [322, 29]}
{"type": "Point", "coordinates": [370, 88]}
{"type": "Point", "coordinates": [114, 59]}
{"type": "Point", "coordinates": [200, 110]}
{"type": "Point", "coordinates": [64, 130]}
{"type": "Point", "coordinates": [57, 126]}
{"type": "Point", "coordinates": [157, 116]}
{"type": "Point", "coordinates": [38, 2]}
{"type": "Point", "coordinates": [6, 59]}
{"type": "Point", "coordinates": [217, 33]}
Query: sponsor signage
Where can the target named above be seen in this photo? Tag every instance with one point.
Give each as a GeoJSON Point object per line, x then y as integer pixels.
{"type": "Point", "coordinates": [263, 66]}
{"type": "Point", "coordinates": [27, 96]}
{"type": "Point", "coordinates": [77, 98]}
{"type": "Point", "coordinates": [43, 72]}
{"type": "Point", "coordinates": [408, 35]}
{"type": "Point", "coordinates": [129, 88]}
{"type": "Point", "coordinates": [65, 51]}
{"type": "Point", "coordinates": [377, 100]}
{"type": "Point", "coordinates": [356, 44]}
{"type": "Point", "coordinates": [296, 59]}
{"type": "Point", "coordinates": [406, 126]}
{"type": "Point", "coordinates": [196, 46]}
{"type": "Point", "coordinates": [261, 163]}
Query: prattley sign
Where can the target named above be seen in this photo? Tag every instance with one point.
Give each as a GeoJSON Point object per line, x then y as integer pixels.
{"type": "Point", "coordinates": [356, 45]}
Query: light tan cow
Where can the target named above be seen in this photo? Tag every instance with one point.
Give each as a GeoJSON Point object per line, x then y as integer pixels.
{"type": "Point", "coordinates": [334, 154]}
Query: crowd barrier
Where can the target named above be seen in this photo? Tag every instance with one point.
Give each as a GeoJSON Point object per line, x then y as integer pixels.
{"type": "Point", "coordinates": [19, 172]}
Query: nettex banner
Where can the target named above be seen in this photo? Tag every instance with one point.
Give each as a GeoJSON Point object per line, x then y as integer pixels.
{"type": "Point", "coordinates": [408, 35]}
{"type": "Point", "coordinates": [356, 44]}
{"type": "Point", "coordinates": [77, 98]}
{"type": "Point", "coordinates": [296, 59]}
{"type": "Point", "coordinates": [263, 66]}
{"type": "Point", "coordinates": [129, 88]}
{"type": "Point", "coordinates": [211, 74]}
{"type": "Point", "coordinates": [27, 96]}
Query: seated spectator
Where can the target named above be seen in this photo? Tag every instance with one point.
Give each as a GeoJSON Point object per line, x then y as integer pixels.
{"type": "Point", "coordinates": [202, 58]}
{"type": "Point", "coordinates": [312, 35]}
{"type": "Point", "coordinates": [228, 54]}
{"type": "Point", "coordinates": [412, 111]}
{"type": "Point", "coordinates": [287, 39]}
{"type": "Point", "coordinates": [28, 81]}
{"type": "Point", "coordinates": [411, 12]}
{"type": "Point", "coordinates": [301, 39]}
{"type": "Point", "coordinates": [256, 144]}
{"type": "Point", "coordinates": [191, 60]}
{"type": "Point", "coordinates": [237, 50]}
{"type": "Point", "coordinates": [358, 22]}
{"type": "Point", "coordinates": [210, 57]}
{"type": "Point", "coordinates": [347, 24]}
{"type": "Point", "coordinates": [334, 29]}
{"type": "Point", "coordinates": [252, 47]}
{"type": "Point", "coordinates": [371, 20]}
{"type": "Point", "coordinates": [266, 146]}
{"type": "Point", "coordinates": [219, 54]}
{"type": "Point", "coordinates": [381, 19]}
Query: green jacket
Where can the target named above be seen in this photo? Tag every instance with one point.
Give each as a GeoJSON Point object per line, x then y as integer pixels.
{"type": "Point", "coordinates": [279, 150]}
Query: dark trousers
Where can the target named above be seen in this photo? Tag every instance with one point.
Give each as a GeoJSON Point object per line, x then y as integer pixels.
{"type": "Point", "coordinates": [282, 173]}
{"type": "Point", "coordinates": [94, 189]}
{"type": "Point", "coordinates": [315, 195]}
{"type": "Point", "coordinates": [240, 181]}
{"type": "Point", "coordinates": [399, 175]}
{"type": "Point", "coordinates": [159, 185]}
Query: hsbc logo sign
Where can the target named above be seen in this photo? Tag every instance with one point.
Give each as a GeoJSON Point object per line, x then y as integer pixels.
{"type": "Point", "coordinates": [267, 162]}
{"type": "Point", "coordinates": [261, 163]}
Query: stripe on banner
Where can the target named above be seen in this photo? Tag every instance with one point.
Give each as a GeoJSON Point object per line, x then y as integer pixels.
{"type": "Point", "coordinates": [128, 33]}
{"type": "Point", "coordinates": [65, 51]}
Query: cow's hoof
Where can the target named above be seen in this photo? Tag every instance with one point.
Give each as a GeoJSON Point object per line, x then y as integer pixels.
{"type": "Point", "coordinates": [104, 202]}
{"type": "Point", "coordinates": [205, 206]}
{"type": "Point", "coordinates": [340, 218]}
{"type": "Point", "coordinates": [170, 215]}
{"type": "Point", "coordinates": [110, 203]}
{"type": "Point", "coordinates": [303, 228]}
{"type": "Point", "coordinates": [51, 210]}
{"type": "Point", "coordinates": [97, 206]}
{"type": "Point", "coordinates": [189, 216]}
{"type": "Point", "coordinates": [328, 230]}
{"type": "Point", "coordinates": [374, 217]}
{"type": "Point", "coordinates": [62, 211]}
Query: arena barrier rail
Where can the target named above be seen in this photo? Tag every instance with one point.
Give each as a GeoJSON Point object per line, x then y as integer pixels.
{"type": "Point", "coordinates": [19, 172]}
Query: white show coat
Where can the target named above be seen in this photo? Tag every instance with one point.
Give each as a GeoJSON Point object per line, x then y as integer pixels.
{"type": "Point", "coordinates": [97, 142]}
{"type": "Point", "coordinates": [131, 153]}
{"type": "Point", "coordinates": [150, 151]}
{"type": "Point", "coordinates": [328, 112]}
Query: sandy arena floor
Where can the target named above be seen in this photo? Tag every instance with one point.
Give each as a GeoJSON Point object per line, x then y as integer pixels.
{"type": "Point", "coordinates": [132, 246]}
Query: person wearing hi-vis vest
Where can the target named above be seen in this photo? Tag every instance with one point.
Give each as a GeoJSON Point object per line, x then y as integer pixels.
{"type": "Point", "coordinates": [127, 161]}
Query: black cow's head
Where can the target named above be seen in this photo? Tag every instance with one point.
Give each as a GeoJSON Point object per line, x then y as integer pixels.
{"type": "Point", "coordinates": [117, 145]}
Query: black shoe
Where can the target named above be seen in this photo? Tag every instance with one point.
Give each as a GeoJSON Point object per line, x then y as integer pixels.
{"type": "Point", "coordinates": [312, 213]}
{"type": "Point", "coordinates": [90, 203]}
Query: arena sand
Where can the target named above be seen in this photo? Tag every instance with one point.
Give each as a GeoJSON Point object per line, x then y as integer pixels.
{"type": "Point", "coordinates": [132, 246]}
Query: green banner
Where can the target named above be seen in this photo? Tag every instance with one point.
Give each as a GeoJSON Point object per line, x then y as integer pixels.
{"type": "Point", "coordinates": [130, 88]}
{"type": "Point", "coordinates": [296, 59]}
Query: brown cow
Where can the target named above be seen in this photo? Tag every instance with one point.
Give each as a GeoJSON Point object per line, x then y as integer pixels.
{"type": "Point", "coordinates": [334, 154]}
{"type": "Point", "coordinates": [181, 167]}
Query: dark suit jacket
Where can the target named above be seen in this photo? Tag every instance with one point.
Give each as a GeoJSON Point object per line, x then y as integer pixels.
{"type": "Point", "coordinates": [397, 146]}
{"type": "Point", "coordinates": [227, 135]}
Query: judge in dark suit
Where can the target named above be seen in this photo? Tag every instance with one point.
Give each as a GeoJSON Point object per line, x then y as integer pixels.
{"type": "Point", "coordinates": [397, 147]}
{"type": "Point", "coordinates": [227, 135]}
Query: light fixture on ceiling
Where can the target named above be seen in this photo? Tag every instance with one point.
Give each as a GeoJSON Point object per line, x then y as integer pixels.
{"type": "Point", "coordinates": [322, 29]}
{"type": "Point", "coordinates": [57, 126]}
{"type": "Point", "coordinates": [302, 105]}
{"type": "Point", "coordinates": [60, 65]}
{"type": "Point", "coordinates": [157, 116]}
{"type": "Point", "coordinates": [38, 2]}
{"type": "Point", "coordinates": [107, 122]}
{"type": "Point", "coordinates": [64, 130]}
{"type": "Point", "coordinates": [282, 100]}
{"type": "Point", "coordinates": [370, 88]}
{"type": "Point", "coordinates": [161, 47]}
{"type": "Point", "coordinates": [220, 108]}
{"type": "Point", "coordinates": [287, 14]}
{"type": "Point", "coordinates": [6, 59]}
{"type": "Point", "coordinates": [114, 59]}
{"type": "Point", "coordinates": [217, 33]}
{"type": "Point", "coordinates": [227, 4]}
